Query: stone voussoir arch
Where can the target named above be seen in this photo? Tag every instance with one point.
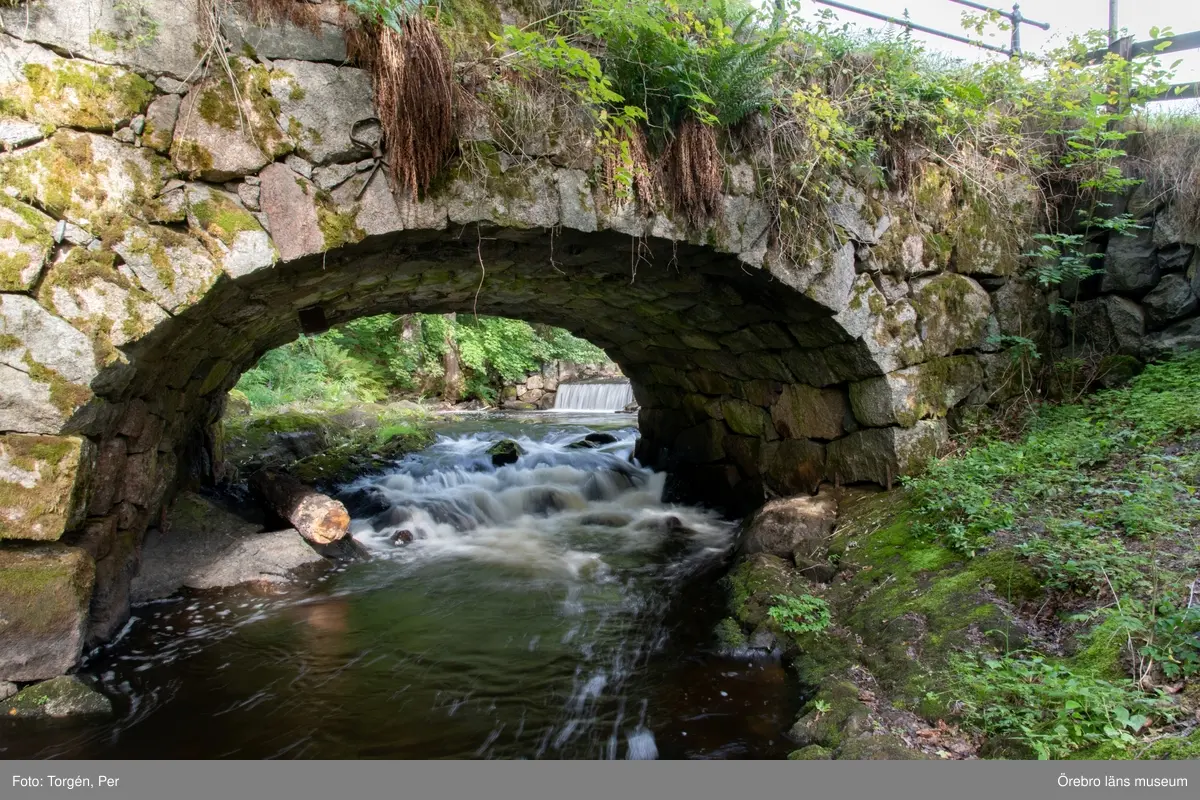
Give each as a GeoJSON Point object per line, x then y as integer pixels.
{"type": "Point", "coordinates": [155, 246]}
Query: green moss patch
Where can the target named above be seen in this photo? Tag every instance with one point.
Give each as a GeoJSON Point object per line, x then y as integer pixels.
{"type": "Point", "coordinates": [38, 485]}
{"type": "Point", "coordinates": [80, 94]}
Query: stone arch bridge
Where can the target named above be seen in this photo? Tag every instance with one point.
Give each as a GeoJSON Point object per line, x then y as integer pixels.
{"type": "Point", "coordinates": [153, 247]}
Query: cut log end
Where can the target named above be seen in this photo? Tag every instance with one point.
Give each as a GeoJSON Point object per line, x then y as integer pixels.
{"type": "Point", "coordinates": [320, 519]}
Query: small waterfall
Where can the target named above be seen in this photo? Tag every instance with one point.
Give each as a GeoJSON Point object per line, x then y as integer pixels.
{"type": "Point", "coordinates": [597, 396]}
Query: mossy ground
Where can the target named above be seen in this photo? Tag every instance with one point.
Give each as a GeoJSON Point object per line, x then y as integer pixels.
{"type": "Point", "coordinates": [972, 598]}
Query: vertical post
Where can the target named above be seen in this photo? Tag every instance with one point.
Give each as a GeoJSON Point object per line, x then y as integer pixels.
{"type": "Point", "coordinates": [1015, 47]}
{"type": "Point", "coordinates": [1112, 22]}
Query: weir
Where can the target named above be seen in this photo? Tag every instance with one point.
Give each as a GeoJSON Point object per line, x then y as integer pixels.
{"type": "Point", "coordinates": [594, 396]}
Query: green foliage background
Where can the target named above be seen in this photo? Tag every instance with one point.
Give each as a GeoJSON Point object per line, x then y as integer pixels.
{"type": "Point", "coordinates": [369, 359]}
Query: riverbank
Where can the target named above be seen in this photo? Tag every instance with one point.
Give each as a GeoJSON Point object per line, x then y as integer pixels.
{"type": "Point", "coordinates": [1033, 595]}
{"type": "Point", "coordinates": [321, 446]}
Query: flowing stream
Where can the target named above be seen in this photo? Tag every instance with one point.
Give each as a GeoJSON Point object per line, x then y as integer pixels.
{"type": "Point", "coordinates": [551, 608]}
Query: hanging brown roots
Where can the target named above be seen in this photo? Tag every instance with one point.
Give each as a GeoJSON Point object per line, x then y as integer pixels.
{"type": "Point", "coordinates": [276, 12]}
{"type": "Point", "coordinates": [694, 172]}
{"type": "Point", "coordinates": [414, 91]}
{"type": "Point", "coordinates": [628, 168]}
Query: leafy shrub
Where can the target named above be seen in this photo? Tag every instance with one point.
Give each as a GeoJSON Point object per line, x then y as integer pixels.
{"type": "Point", "coordinates": [1061, 469]}
{"type": "Point", "coordinates": [710, 60]}
{"type": "Point", "coordinates": [370, 358]}
{"type": "Point", "coordinates": [1028, 699]}
{"type": "Point", "coordinates": [803, 614]}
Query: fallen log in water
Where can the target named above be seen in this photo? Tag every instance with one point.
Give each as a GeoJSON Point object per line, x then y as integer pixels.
{"type": "Point", "coordinates": [321, 520]}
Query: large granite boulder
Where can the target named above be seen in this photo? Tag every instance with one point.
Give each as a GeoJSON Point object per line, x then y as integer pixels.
{"type": "Point", "coordinates": [51, 90]}
{"type": "Point", "coordinates": [1172, 299]}
{"type": "Point", "coordinates": [953, 312]}
{"type": "Point", "coordinates": [1131, 264]}
{"type": "Point", "coordinates": [881, 455]}
{"type": "Point", "coordinates": [44, 595]}
{"type": "Point", "coordinates": [64, 696]}
{"type": "Point", "coordinates": [45, 484]}
{"type": "Point", "coordinates": [805, 412]}
{"type": "Point", "coordinates": [46, 366]}
{"type": "Point", "coordinates": [207, 547]}
{"type": "Point", "coordinates": [149, 36]}
{"type": "Point", "coordinates": [907, 395]}
{"type": "Point", "coordinates": [25, 242]}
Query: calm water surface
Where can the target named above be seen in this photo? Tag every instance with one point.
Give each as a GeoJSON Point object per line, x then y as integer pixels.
{"type": "Point", "coordinates": [553, 608]}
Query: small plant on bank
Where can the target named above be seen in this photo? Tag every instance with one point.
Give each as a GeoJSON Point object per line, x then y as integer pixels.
{"type": "Point", "coordinates": [803, 614]}
{"type": "Point", "coordinates": [1030, 700]}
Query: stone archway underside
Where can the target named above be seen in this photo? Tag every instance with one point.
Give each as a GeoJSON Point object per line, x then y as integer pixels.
{"type": "Point", "coordinates": [146, 270]}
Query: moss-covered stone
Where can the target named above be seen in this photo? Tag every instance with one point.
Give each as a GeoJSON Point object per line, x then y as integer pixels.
{"type": "Point", "coordinates": [44, 593]}
{"type": "Point", "coordinates": [754, 582]}
{"type": "Point", "coordinates": [833, 714]}
{"type": "Point", "coordinates": [79, 94]}
{"type": "Point", "coordinates": [325, 449]}
{"type": "Point", "coordinates": [338, 226]}
{"type": "Point", "coordinates": [905, 396]}
{"type": "Point", "coordinates": [86, 178]}
{"type": "Point", "coordinates": [64, 696]}
{"type": "Point", "coordinates": [953, 312]}
{"type": "Point", "coordinates": [42, 87]}
{"type": "Point", "coordinates": [220, 217]}
{"type": "Point", "coordinates": [505, 452]}
{"type": "Point", "coordinates": [814, 752]}
{"type": "Point", "coordinates": [217, 137]}
{"type": "Point", "coordinates": [25, 242]}
{"type": "Point", "coordinates": [878, 747]}
{"type": "Point", "coordinates": [43, 485]}
{"type": "Point", "coordinates": [730, 637]}
{"type": "Point", "coordinates": [88, 290]}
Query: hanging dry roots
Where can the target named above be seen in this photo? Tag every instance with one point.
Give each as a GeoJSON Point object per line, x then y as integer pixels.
{"type": "Point", "coordinates": [276, 12]}
{"type": "Point", "coordinates": [414, 91]}
{"type": "Point", "coordinates": [694, 173]}
{"type": "Point", "coordinates": [632, 157]}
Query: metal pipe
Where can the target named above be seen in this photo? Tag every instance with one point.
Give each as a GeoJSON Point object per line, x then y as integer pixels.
{"type": "Point", "coordinates": [1016, 14]}
{"type": "Point", "coordinates": [914, 26]}
{"type": "Point", "coordinates": [1112, 22]}
{"type": "Point", "coordinates": [1168, 44]}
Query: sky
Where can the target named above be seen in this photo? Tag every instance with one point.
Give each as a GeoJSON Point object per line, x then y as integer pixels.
{"type": "Point", "coordinates": [1065, 17]}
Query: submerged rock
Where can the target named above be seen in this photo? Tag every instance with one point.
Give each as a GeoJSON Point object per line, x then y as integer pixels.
{"type": "Point", "coordinates": [592, 441]}
{"type": "Point", "coordinates": [65, 696]}
{"type": "Point", "coordinates": [505, 451]}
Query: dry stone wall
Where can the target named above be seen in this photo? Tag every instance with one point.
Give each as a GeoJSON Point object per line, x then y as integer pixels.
{"type": "Point", "coordinates": [156, 240]}
{"type": "Point", "coordinates": [1146, 303]}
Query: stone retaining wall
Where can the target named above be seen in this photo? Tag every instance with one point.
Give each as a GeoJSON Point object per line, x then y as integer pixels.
{"type": "Point", "coordinates": [1146, 302]}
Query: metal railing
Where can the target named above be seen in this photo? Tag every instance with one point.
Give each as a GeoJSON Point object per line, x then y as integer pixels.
{"type": "Point", "coordinates": [1128, 49]}
{"type": "Point", "coordinates": [1015, 17]}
